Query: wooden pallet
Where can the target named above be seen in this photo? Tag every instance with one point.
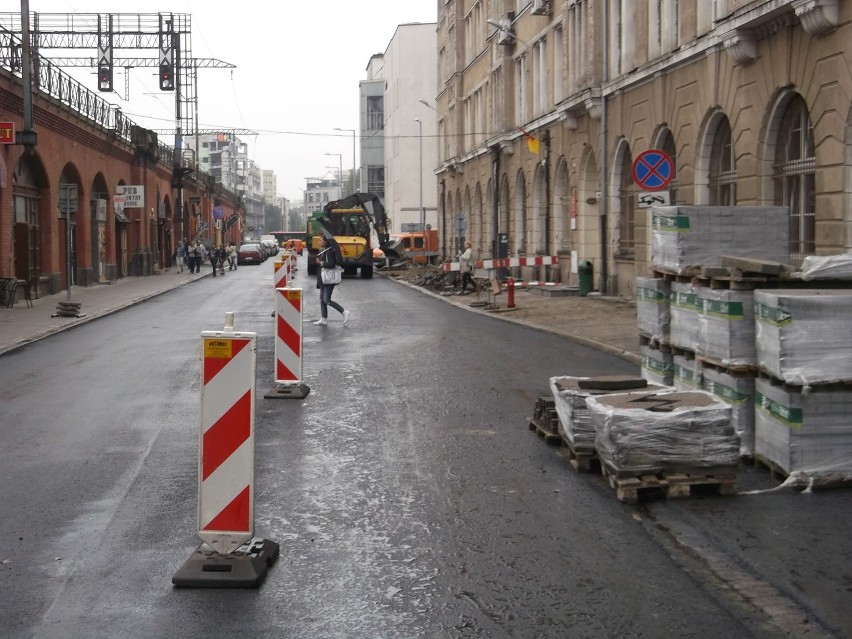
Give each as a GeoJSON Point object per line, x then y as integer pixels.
{"type": "Point", "coordinates": [544, 433]}
{"type": "Point", "coordinates": [580, 460]}
{"type": "Point", "coordinates": [666, 485]}
{"type": "Point", "coordinates": [545, 420]}
{"type": "Point", "coordinates": [775, 471]}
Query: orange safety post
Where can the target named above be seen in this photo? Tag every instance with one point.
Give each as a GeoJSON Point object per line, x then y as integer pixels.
{"type": "Point", "coordinates": [510, 293]}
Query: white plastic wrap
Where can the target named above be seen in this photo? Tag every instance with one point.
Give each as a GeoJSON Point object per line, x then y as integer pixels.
{"type": "Point", "coordinates": [684, 307]}
{"type": "Point", "coordinates": [657, 366]}
{"type": "Point", "coordinates": [737, 391]}
{"type": "Point", "coordinates": [684, 237]}
{"type": "Point", "coordinates": [670, 431]}
{"type": "Point", "coordinates": [687, 373]}
{"type": "Point", "coordinates": [808, 433]}
{"type": "Point", "coordinates": [804, 336]}
{"type": "Point", "coordinates": [575, 423]}
{"type": "Point", "coordinates": [726, 326]}
{"type": "Point", "coordinates": [653, 316]}
{"type": "Point", "coordinates": [826, 267]}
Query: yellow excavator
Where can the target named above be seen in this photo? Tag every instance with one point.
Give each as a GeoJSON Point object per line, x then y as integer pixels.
{"type": "Point", "coordinates": [353, 221]}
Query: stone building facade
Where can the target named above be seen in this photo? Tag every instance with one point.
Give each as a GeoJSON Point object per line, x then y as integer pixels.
{"type": "Point", "coordinates": [545, 104]}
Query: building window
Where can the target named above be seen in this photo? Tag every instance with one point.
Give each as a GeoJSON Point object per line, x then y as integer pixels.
{"type": "Point", "coordinates": [375, 113]}
{"type": "Point", "coordinates": [666, 144]}
{"type": "Point", "coordinates": [376, 180]}
{"type": "Point", "coordinates": [558, 66]}
{"type": "Point", "coordinates": [795, 176]}
{"type": "Point", "coordinates": [723, 168]}
{"type": "Point", "coordinates": [626, 198]}
{"type": "Point", "coordinates": [539, 79]}
{"type": "Point", "coordinates": [520, 90]}
{"type": "Point", "coordinates": [576, 46]}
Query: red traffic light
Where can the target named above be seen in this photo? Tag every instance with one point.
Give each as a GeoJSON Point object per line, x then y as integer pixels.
{"type": "Point", "coordinates": [167, 77]}
{"type": "Point", "coordinates": [105, 78]}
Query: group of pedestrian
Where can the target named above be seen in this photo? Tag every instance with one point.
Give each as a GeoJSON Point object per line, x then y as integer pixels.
{"type": "Point", "coordinates": [221, 254]}
{"type": "Point", "coordinates": [192, 255]}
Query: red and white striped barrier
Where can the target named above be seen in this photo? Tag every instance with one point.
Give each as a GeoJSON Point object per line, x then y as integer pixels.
{"type": "Point", "coordinates": [507, 262]}
{"type": "Point", "coordinates": [281, 275]}
{"type": "Point", "coordinates": [288, 345]}
{"type": "Point", "coordinates": [226, 468]}
{"type": "Point", "coordinates": [226, 444]}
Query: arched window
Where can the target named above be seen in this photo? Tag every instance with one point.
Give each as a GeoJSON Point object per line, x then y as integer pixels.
{"type": "Point", "coordinates": [626, 200]}
{"type": "Point", "coordinates": [723, 167]}
{"type": "Point", "coordinates": [795, 177]}
{"type": "Point", "coordinates": [666, 143]}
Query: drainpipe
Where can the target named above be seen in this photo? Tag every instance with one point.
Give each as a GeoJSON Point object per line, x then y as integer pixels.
{"type": "Point", "coordinates": [495, 201]}
{"type": "Point", "coordinates": [547, 211]}
{"type": "Point", "coordinates": [604, 270]}
{"type": "Point", "coordinates": [443, 220]}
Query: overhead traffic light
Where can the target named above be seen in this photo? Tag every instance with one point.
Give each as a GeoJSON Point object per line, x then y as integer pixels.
{"type": "Point", "coordinates": [167, 77]}
{"type": "Point", "coordinates": [105, 77]}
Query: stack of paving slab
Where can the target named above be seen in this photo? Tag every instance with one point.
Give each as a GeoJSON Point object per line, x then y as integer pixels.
{"type": "Point", "coordinates": [737, 391]}
{"type": "Point", "coordinates": [653, 315]}
{"type": "Point", "coordinates": [780, 358]}
{"type": "Point", "coordinates": [803, 421]}
{"type": "Point", "coordinates": [726, 330]}
{"type": "Point", "coordinates": [687, 237]}
{"type": "Point", "coordinates": [570, 393]}
{"type": "Point", "coordinates": [664, 432]}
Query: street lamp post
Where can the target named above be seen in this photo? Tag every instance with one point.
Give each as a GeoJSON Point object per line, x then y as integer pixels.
{"type": "Point", "coordinates": [340, 172]}
{"type": "Point", "coordinates": [422, 210]}
{"type": "Point", "coordinates": [337, 128]}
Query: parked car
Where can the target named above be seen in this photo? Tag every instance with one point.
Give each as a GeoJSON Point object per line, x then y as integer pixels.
{"type": "Point", "coordinates": [270, 248]}
{"type": "Point", "coordinates": [250, 253]}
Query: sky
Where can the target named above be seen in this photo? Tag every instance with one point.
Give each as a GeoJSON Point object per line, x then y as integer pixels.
{"type": "Point", "coordinates": [298, 64]}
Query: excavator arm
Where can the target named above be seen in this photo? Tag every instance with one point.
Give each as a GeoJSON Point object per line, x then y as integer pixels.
{"type": "Point", "coordinates": [375, 214]}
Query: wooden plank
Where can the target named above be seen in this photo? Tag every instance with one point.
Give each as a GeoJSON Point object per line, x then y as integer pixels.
{"type": "Point", "coordinates": [753, 265]}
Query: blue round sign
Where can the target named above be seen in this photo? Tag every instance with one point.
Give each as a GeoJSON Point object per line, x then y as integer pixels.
{"type": "Point", "coordinates": [653, 170]}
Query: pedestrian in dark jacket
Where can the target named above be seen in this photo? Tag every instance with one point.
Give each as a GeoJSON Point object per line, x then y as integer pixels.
{"type": "Point", "coordinates": [215, 254]}
{"type": "Point", "coordinates": [329, 258]}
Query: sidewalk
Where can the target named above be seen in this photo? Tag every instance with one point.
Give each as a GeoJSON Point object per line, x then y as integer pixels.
{"type": "Point", "coordinates": [21, 325]}
{"type": "Point", "coordinates": [605, 323]}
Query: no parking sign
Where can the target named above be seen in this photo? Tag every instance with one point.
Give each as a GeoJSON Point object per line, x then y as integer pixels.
{"type": "Point", "coordinates": [653, 170]}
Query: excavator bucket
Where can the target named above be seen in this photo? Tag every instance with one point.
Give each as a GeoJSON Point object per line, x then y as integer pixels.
{"type": "Point", "coordinates": [393, 248]}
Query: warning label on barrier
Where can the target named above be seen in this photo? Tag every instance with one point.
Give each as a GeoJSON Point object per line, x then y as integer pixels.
{"type": "Point", "coordinates": [218, 348]}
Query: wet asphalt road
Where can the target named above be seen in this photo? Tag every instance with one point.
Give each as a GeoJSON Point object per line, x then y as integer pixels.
{"type": "Point", "coordinates": [407, 494]}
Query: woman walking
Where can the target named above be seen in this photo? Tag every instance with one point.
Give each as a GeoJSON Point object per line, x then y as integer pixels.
{"type": "Point", "coordinates": [329, 258]}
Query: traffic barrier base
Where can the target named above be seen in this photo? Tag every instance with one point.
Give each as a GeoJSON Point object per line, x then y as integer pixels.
{"type": "Point", "coordinates": [246, 567]}
{"type": "Point", "coordinates": [288, 391]}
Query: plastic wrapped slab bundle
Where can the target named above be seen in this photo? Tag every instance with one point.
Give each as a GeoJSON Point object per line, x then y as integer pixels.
{"type": "Point", "coordinates": [737, 391]}
{"type": "Point", "coordinates": [726, 326]}
{"type": "Point", "coordinates": [657, 365]}
{"type": "Point", "coordinates": [669, 431]}
{"type": "Point", "coordinates": [569, 395]}
{"type": "Point", "coordinates": [826, 267]}
{"type": "Point", "coordinates": [804, 336]}
{"type": "Point", "coordinates": [808, 433]}
{"type": "Point", "coordinates": [653, 316]}
{"type": "Point", "coordinates": [685, 307]}
{"type": "Point", "coordinates": [686, 237]}
{"type": "Point", "coordinates": [687, 372]}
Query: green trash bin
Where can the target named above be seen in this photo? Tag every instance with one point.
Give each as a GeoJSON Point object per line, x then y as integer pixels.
{"type": "Point", "coordinates": [586, 271]}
